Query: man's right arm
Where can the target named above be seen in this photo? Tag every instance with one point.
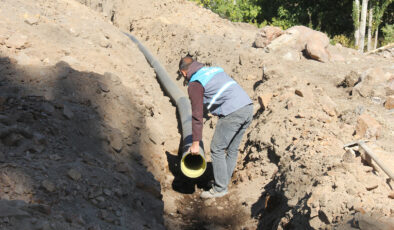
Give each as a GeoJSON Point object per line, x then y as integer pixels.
{"type": "Point", "coordinates": [196, 95]}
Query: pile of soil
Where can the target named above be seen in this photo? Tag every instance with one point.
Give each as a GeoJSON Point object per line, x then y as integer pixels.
{"type": "Point", "coordinates": [90, 141]}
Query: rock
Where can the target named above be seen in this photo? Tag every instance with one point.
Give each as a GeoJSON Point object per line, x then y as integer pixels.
{"type": "Point", "coordinates": [104, 43]}
{"type": "Point", "coordinates": [315, 223]}
{"type": "Point", "coordinates": [74, 174]}
{"type": "Point", "coordinates": [367, 127]}
{"type": "Point", "coordinates": [390, 87]}
{"type": "Point", "coordinates": [266, 35]}
{"type": "Point", "coordinates": [349, 156]}
{"type": "Point", "coordinates": [55, 157]}
{"type": "Point", "coordinates": [113, 77]}
{"type": "Point", "coordinates": [301, 38]}
{"type": "Point", "coordinates": [299, 93]}
{"type": "Point", "coordinates": [116, 140]}
{"type": "Point", "coordinates": [31, 20]}
{"type": "Point", "coordinates": [389, 104]}
{"type": "Point", "coordinates": [67, 112]}
{"type": "Point", "coordinates": [48, 185]}
{"type": "Point", "coordinates": [292, 202]}
{"type": "Point", "coordinates": [391, 195]}
{"type": "Point", "coordinates": [265, 99]}
{"type": "Point", "coordinates": [244, 58]}
{"type": "Point", "coordinates": [328, 105]}
{"type": "Point", "coordinates": [48, 108]}
{"type": "Point", "coordinates": [107, 192]}
{"type": "Point", "coordinates": [95, 192]}
{"type": "Point", "coordinates": [351, 79]}
{"type": "Point", "coordinates": [74, 32]}
{"type": "Point", "coordinates": [316, 46]}
{"type": "Point", "coordinates": [103, 87]}
{"type": "Point", "coordinates": [304, 93]}
{"type": "Point", "coordinates": [156, 138]}
{"type": "Point", "coordinates": [17, 41]}
{"type": "Point", "coordinates": [372, 83]}
{"type": "Point", "coordinates": [251, 77]}
{"type": "Point", "coordinates": [371, 185]}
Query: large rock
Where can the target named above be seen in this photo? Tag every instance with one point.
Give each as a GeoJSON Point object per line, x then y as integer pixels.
{"type": "Point", "coordinates": [367, 127]}
{"type": "Point", "coordinates": [389, 104]}
{"type": "Point", "coordinates": [265, 99]}
{"type": "Point", "coordinates": [316, 46]}
{"type": "Point", "coordinates": [302, 38]}
{"type": "Point", "coordinates": [266, 35]}
{"type": "Point", "coordinates": [373, 83]}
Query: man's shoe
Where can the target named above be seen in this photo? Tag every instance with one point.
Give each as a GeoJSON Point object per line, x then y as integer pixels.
{"type": "Point", "coordinates": [211, 193]}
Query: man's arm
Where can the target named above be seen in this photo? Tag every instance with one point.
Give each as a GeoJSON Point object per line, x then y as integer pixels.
{"type": "Point", "coordinates": [196, 94]}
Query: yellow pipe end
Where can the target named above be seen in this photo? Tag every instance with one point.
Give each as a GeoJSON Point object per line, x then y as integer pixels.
{"type": "Point", "coordinates": [193, 166]}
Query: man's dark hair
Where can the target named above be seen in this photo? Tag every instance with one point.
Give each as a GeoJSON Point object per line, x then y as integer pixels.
{"type": "Point", "coordinates": [185, 62]}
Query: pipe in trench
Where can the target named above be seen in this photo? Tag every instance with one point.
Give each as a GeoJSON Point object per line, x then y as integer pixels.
{"type": "Point", "coordinates": [191, 165]}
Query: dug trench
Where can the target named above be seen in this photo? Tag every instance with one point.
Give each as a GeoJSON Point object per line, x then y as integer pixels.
{"type": "Point", "coordinates": [73, 81]}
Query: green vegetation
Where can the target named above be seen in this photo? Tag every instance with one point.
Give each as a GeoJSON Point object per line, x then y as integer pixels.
{"type": "Point", "coordinates": [235, 10]}
{"type": "Point", "coordinates": [343, 40]}
{"type": "Point", "coordinates": [388, 32]}
{"type": "Point", "coordinates": [337, 18]}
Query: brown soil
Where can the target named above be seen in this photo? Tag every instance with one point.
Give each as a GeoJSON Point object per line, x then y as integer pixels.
{"type": "Point", "coordinates": [88, 139]}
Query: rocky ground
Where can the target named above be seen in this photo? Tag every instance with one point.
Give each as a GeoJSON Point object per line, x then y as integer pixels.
{"type": "Point", "coordinates": [90, 141]}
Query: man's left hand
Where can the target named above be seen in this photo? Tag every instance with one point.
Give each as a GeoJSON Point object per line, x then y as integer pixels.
{"type": "Point", "coordinates": [195, 148]}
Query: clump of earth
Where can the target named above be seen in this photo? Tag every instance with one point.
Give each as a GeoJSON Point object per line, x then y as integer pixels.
{"type": "Point", "coordinates": [89, 140]}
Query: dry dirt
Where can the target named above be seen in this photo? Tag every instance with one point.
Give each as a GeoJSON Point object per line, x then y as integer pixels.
{"type": "Point", "coordinates": [88, 140]}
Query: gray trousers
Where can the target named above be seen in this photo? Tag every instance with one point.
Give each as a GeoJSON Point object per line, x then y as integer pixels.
{"type": "Point", "coordinates": [227, 137]}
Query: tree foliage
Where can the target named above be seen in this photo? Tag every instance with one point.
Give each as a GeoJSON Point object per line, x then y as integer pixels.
{"type": "Point", "coordinates": [235, 10]}
{"type": "Point", "coordinates": [334, 17]}
{"type": "Point", "coordinates": [388, 32]}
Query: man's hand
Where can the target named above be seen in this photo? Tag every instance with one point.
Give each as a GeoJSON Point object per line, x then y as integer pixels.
{"type": "Point", "coordinates": [195, 148]}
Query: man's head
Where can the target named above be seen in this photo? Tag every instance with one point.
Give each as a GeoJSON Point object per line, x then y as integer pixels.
{"type": "Point", "coordinates": [184, 65]}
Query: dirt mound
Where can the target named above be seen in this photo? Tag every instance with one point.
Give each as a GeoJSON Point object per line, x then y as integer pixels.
{"type": "Point", "coordinates": [89, 140]}
{"type": "Point", "coordinates": [77, 109]}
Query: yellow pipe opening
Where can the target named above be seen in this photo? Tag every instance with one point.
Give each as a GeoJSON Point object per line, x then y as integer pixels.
{"type": "Point", "coordinates": [193, 166]}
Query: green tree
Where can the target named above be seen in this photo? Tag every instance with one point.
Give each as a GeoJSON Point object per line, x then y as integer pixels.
{"type": "Point", "coordinates": [380, 8]}
{"type": "Point", "coordinates": [334, 17]}
{"type": "Point", "coordinates": [238, 11]}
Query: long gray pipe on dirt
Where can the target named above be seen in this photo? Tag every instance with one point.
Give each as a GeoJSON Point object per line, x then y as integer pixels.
{"type": "Point", "coordinates": [181, 101]}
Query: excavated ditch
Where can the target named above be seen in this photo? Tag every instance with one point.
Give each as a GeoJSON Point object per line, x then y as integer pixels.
{"type": "Point", "coordinates": [292, 163]}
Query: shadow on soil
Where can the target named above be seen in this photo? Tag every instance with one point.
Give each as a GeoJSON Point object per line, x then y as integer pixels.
{"type": "Point", "coordinates": [53, 119]}
{"type": "Point", "coordinates": [184, 184]}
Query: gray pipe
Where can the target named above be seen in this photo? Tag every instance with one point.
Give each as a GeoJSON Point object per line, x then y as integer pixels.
{"type": "Point", "coordinates": [184, 109]}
